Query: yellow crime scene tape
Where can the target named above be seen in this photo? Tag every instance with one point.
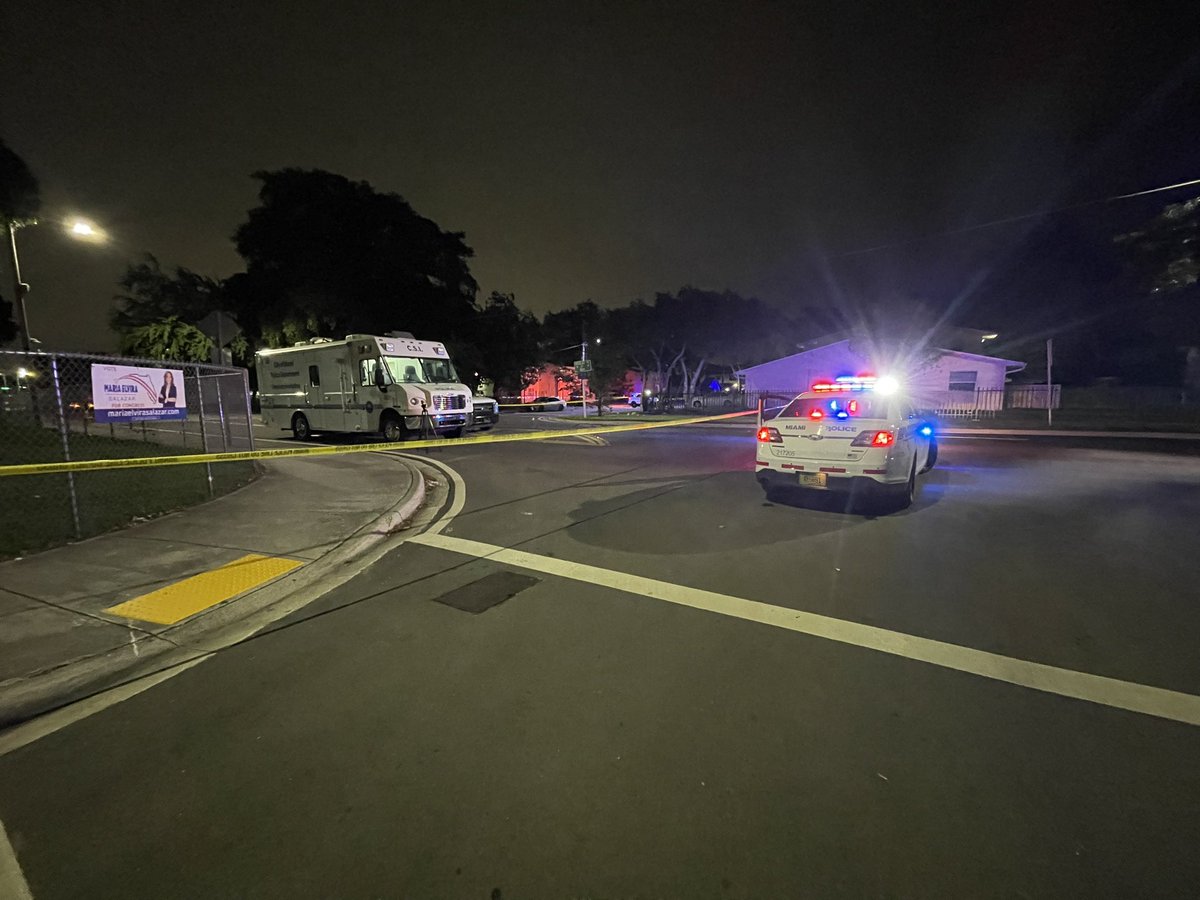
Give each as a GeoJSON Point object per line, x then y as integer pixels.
{"type": "Point", "coordinates": [542, 403]}
{"type": "Point", "coordinates": [93, 465]}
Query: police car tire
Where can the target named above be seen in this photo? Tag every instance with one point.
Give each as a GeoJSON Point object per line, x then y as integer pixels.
{"type": "Point", "coordinates": [906, 496]}
{"type": "Point", "coordinates": [933, 454]}
{"type": "Point", "coordinates": [300, 428]}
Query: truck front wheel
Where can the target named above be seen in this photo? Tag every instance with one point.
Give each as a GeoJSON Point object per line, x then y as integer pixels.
{"type": "Point", "coordinates": [392, 429]}
{"type": "Point", "coordinates": [300, 428]}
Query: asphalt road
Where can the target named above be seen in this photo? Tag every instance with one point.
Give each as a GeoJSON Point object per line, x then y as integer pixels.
{"type": "Point", "coordinates": [607, 717]}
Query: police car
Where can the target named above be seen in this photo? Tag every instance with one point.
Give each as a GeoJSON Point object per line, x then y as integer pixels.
{"type": "Point", "coordinates": [853, 432]}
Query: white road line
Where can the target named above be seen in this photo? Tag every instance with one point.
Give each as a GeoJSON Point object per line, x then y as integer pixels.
{"type": "Point", "coordinates": [12, 882]}
{"type": "Point", "coordinates": [35, 729]}
{"type": "Point", "coordinates": [1139, 698]}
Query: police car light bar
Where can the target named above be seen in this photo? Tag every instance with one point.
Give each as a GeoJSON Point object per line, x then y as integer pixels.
{"type": "Point", "coordinates": [846, 383]}
{"type": "Point", "coordinates": [884, 385]}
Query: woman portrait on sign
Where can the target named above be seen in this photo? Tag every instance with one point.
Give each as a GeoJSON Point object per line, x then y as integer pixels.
{"type": "Point", "coordinates": [167, 393]}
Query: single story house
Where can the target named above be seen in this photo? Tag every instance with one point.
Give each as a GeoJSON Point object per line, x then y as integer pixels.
{"type": "Point", "coordinates": [941, 379]}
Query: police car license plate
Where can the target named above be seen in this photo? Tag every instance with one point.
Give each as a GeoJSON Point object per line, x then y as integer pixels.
{"type": "Point", "coordinates": [811, 479]}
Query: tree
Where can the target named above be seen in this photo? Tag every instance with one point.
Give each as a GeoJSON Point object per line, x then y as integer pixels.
{"type": "Point", "coordinates": [20, 199]}
{"type": "Point", "coordinates": [563, 334]}
{"type": "Point", "coordinates": [502, 344]}
{"type": "Point", "coordinates": [8, 324]}
{"type": "Point", "coordinates": [152, 295]}
{"type": "Point", "coordinates": [170, 338]}
{"type": "Point", "coordinates": [326, 256]}
{"type": "Point", "coordinates": [1165, 257]}
{"type": "Point", "coordinates": [1167, 250]}
{"type": "Point", "coordinates": [688, 333]}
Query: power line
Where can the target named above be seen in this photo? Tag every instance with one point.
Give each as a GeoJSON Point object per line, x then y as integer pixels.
{"type": "Point", "coordinates": [1009, 219]}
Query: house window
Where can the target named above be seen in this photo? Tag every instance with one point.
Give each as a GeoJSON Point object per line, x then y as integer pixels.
{"type": "Point", "coordinates": [963, 381]}
{"type": "Point", "coordinates": [314, 376]}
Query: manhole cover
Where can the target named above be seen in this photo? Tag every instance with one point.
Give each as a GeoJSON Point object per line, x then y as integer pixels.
{"type": "Point", "coordinates": [491, 590]}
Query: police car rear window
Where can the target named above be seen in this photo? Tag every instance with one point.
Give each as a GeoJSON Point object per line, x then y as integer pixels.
{"type": "Point", "coordinates": [850, 406]}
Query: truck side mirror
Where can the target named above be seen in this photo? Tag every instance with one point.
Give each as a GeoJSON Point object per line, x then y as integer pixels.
{"type": "Point", "coordinates": [379, 381]}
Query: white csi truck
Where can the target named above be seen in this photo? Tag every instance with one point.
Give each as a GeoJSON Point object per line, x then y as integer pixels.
{"type": "Point", "coordinates": [364, 384]}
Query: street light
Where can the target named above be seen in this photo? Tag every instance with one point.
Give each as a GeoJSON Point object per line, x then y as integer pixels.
{"type": "Point", "coordinates": [80, 229]}
{"type": "Point", "coordinates": [84, 230]}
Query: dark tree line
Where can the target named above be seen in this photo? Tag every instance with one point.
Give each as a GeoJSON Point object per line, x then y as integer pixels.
{"type": "Point", "coordinates": [327, 256]}
{"type": "Point", "coordinates": [20, 200]}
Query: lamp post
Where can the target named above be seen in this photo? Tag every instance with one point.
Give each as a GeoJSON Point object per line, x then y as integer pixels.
{"type": "Point", "coordinates": [20, 288]}
{"type": "Point", "coordinates": [80, 229]}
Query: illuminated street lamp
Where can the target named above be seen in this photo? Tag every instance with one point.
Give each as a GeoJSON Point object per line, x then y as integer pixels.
{"type": "Point", "coordinates": [80, 229]}
{"type": "Point", "coordinates": [83, 230]}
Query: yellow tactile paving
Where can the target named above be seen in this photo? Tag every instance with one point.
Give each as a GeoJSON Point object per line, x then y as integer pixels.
{"type": "Point", "coordinates": [176, 602]}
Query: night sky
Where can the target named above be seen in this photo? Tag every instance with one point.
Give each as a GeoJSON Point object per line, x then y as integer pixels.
{"type": "Point", "coordinates": [608, 150]}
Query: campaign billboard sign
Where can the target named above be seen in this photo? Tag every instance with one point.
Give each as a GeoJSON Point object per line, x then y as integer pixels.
{"type": "Point", "coordinates": [137, 393]}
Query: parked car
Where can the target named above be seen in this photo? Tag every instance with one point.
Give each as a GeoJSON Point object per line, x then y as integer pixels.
{"type": "Point", "coordinates": [485, 413]}
{"type": "Point", "coordinates": [547, 404]}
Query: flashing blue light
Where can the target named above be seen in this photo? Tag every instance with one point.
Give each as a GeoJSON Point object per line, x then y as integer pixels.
{"type": "Point", "coordinates": [841, 414]}
{"type": "Point", "coordinates": [926, 431]}
{"type": "Point", "coordinates": [833, 404]}
{"type": "Point", "coordinates": [714, 385]}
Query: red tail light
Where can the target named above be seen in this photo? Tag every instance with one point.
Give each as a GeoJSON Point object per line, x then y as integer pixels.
{"type": "Point", "coordinates": [874, 439]}
{"type": "Point", "coordinates": [770, 436]}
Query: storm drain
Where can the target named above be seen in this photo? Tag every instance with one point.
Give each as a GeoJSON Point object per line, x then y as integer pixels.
{"type": "Point", "coordinates": [491, 590]}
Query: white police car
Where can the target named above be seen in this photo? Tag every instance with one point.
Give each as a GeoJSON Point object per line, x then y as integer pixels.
{"type": "Point", "coordinates": [854, 432]}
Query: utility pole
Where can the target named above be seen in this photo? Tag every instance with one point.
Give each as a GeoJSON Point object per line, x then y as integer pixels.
{"type": "Point", "coordinates": [1049, 383]}
{"type": "Point", "coordinates": [584, 381]}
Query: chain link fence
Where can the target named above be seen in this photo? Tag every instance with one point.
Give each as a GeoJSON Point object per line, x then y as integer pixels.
{"type": "Point", "coordinates": [48, 413]}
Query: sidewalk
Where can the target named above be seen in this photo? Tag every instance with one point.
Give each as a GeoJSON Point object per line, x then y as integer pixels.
{"type": "Point", "coordinates": [60, 639]}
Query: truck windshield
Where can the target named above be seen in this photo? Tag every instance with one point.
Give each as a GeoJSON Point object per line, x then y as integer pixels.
{"type": "Point", "coordinates": [412, 369]}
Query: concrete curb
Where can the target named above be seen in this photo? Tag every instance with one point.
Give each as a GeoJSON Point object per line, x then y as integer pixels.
{"type": "Point", "coordinates": [206, 632]}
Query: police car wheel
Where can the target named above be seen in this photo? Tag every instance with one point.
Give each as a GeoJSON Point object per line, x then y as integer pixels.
{"type": "Point", "coordinates": [933, 454]}
{"type": "Point", "coordinates": [300, 429]}
{"type": "Point", "coordinates": [906, 496]}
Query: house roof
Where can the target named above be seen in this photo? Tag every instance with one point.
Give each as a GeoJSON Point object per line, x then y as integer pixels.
{"type": "Point", "coordinates": [1010, 365]}
{"type": "Point", "coordinates": [1015, 364]}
